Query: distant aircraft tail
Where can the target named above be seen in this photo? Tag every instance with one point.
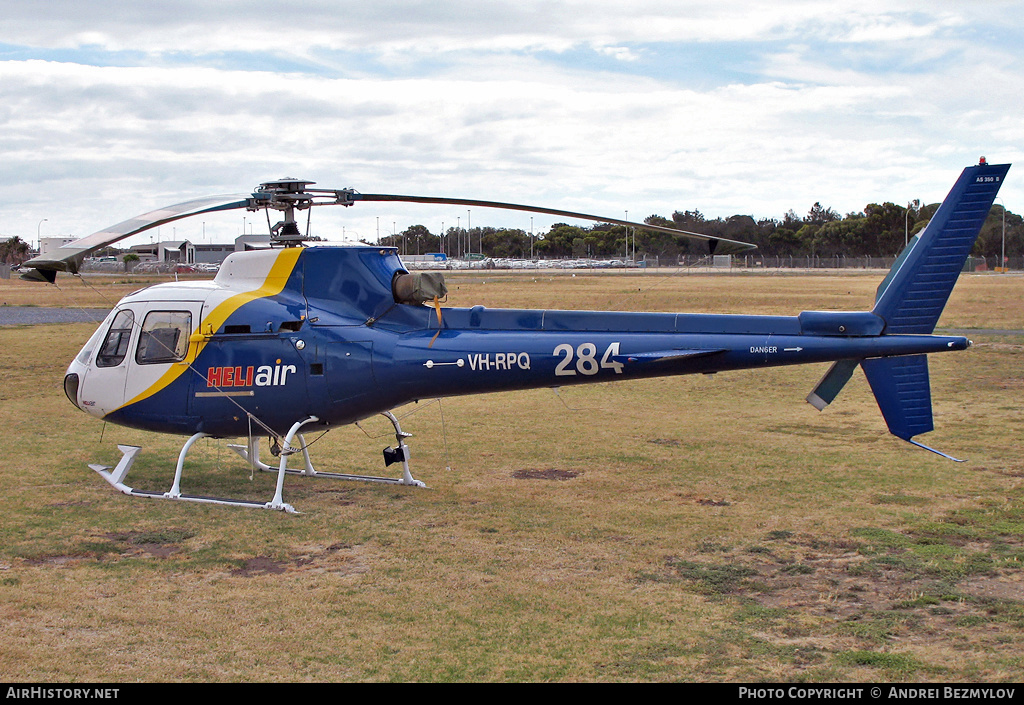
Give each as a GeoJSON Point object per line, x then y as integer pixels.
{"type": "Point", "coordinates": [910, 300]}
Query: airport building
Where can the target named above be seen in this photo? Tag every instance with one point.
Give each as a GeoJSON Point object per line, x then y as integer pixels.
{"type": "Point", "coordinates": [186, 252]}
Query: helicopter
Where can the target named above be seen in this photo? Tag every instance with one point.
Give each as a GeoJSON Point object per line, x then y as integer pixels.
{"type": "Point", "coordinates": [293, 338]}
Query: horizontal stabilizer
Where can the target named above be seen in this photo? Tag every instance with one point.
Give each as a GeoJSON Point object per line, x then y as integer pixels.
{"type": "Point", "coordinates": [832, 383]}
{"type": "Point", "coordinates": [665, 355]}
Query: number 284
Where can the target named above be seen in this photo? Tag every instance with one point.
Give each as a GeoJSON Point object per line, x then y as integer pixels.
{"type": "Point", "coordinates": [585, 359]}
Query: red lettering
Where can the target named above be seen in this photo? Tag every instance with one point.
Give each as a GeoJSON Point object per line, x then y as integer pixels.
{"type": "Point", "coordinates": [230, 376]}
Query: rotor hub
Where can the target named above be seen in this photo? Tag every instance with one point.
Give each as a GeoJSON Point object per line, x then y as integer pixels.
{"type": "Point", "coordinates": [288, 195]}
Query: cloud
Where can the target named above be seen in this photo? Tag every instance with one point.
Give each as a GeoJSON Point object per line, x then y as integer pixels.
{"type": "Point", "coordinates": [414, 26]}
{"type": "Point", "coordinates": [744, 108]}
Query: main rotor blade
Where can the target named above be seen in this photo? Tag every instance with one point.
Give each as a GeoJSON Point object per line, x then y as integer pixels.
{"type": "Point", "coordinates": [716, 245]}
{"type": "Point", "coordinates": [69, 257]}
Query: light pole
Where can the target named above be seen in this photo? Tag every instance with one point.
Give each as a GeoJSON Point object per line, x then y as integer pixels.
{"type": "Point", "coordinates": [39, 242]}
{"type": "Point", "coordinates": [630, 257]}
{"type": "Point", "coordinates": [1002, 253]}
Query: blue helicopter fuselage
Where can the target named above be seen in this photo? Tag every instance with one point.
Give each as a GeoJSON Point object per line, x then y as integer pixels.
{"type": "Point", "coordinates": [287, 334]}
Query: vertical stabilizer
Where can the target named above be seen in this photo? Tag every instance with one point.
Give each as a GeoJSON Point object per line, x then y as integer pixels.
{"type": "Point", "coordinates": [917, 289]}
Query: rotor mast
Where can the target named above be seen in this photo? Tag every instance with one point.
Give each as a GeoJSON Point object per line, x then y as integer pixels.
{"type": "Point", "coordinates": [290, 195]}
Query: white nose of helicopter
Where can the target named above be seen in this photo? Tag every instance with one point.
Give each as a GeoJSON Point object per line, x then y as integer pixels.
{"type": "Point", "coordinates": [73, 382]}
{"type": "Point", "coordinates": [95, 394]}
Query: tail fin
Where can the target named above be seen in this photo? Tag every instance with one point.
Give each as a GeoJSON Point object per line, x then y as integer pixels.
{"type": "Point", "coordinates": [911, 299]}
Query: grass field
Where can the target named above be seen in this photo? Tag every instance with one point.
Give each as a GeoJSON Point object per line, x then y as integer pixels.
{"type": "Point", "coordinates": [695, 528]}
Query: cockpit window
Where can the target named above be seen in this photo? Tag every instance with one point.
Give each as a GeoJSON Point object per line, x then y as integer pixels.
{"type": "Point", "coordinates": [115, 345]}
{"type": "Point", "coordinates": [86, 353]}
{"type": "Point", "coordinates": [164, 337]}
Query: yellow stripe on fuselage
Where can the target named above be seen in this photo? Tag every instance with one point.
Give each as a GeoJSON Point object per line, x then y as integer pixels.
{"type": "Point", "coordinates": [272, 286]}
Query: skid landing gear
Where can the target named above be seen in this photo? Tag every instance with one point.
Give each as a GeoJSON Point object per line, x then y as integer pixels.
{"type": "Point", "coordinates": [251, 453]}
{"type": "Point", "coordinates": [400, 453]}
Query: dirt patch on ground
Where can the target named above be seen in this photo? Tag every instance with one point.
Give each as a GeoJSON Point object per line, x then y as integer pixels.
{"type": "Point", "coordinates": [158, 544]}
{"type": "Point", "coordinates": [338, 559]}
{"type": "Point", "coordinates": [114, 546]}
{"type": "Point", "coordinates": [856, 594]}
{"type": "Point", "coordinates": [690, 498]}
{"type": "Point", "coordinates": [548, 474]}
{"type": "Point", "coordinates": [261, 565]}
{"type": "Point", "coordinates": [1001, 587]}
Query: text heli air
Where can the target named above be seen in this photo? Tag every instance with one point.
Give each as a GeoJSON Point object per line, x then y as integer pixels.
{"type": "Point", "coordinates": [262, 376]}
{"type": "Point", "coordinates": [294, 338]}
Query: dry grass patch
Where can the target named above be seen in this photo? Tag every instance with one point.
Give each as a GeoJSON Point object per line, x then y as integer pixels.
{"type": "Point", "coordinates": [713, 528]}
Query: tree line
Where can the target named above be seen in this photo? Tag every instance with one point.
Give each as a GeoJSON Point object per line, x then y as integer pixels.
{"type": "Point", "coordinates": [880, 230]}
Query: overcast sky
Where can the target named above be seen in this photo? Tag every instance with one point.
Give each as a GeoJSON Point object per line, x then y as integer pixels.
{"type": "Point", "coordinates": [110, 109]}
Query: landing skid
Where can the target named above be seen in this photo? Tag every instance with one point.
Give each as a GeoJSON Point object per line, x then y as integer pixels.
{"type": "Point", "coordinates": [250, 452]}
{"type": "Point", "coordinates": [116, 477]}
